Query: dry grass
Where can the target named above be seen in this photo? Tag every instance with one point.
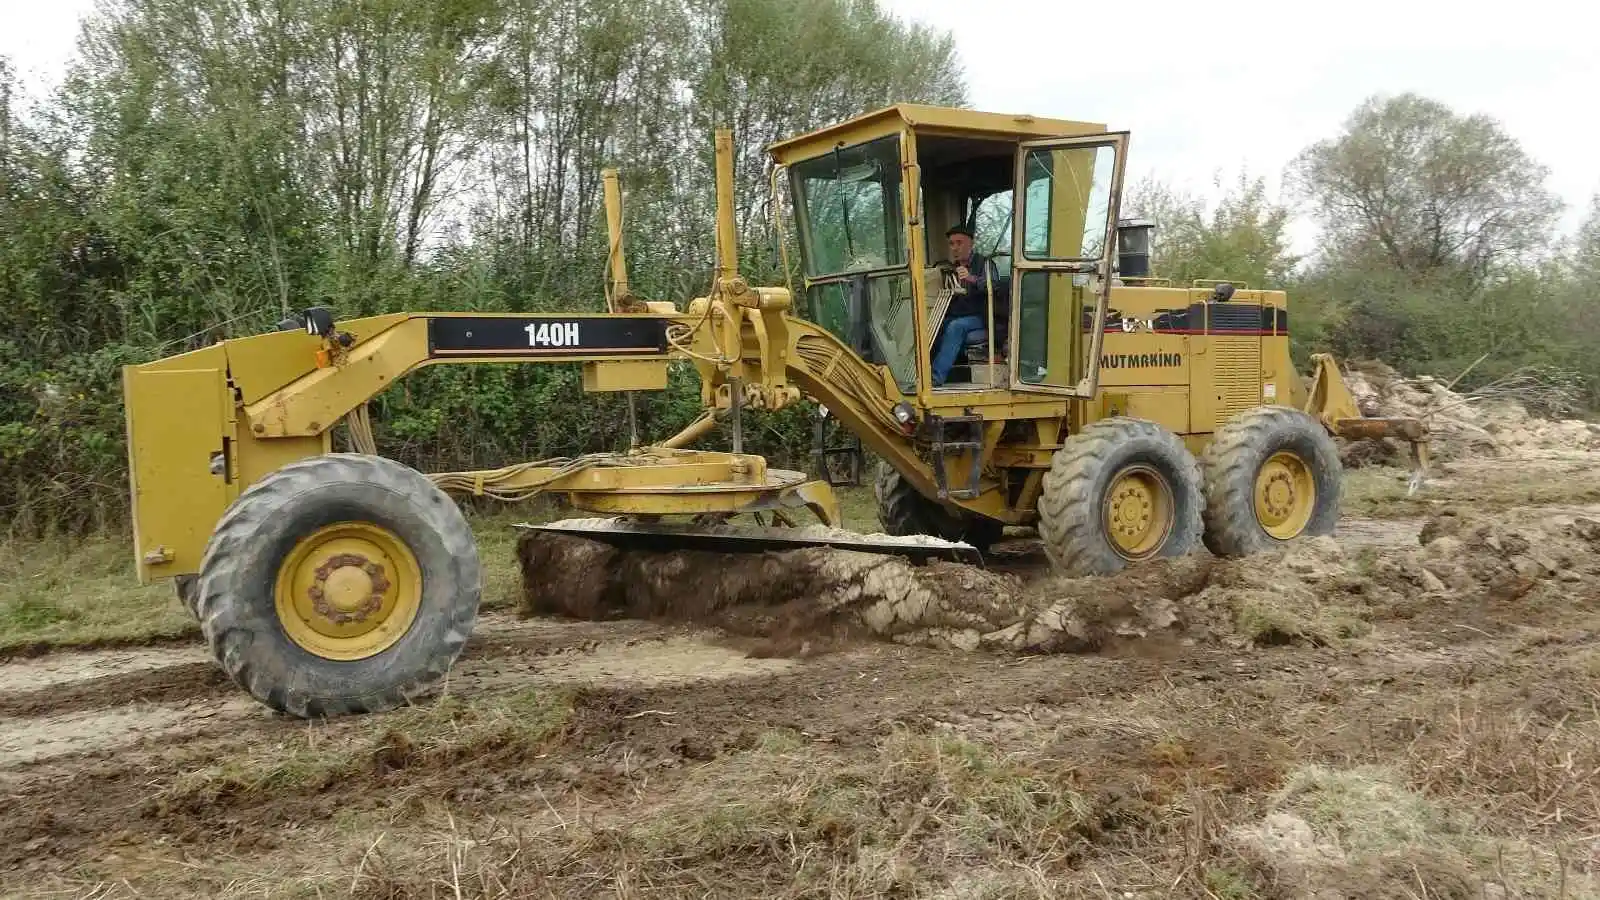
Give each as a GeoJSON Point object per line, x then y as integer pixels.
{"type": "Point", "coordinates": [437, 734]}
{"type": "Point", "coordinates": [1367, 832]}
{"type": "Point", "coordinates": [1519, 772]}
{"type": "Point", "coordinates": [784, 819]}
{"type": "Point", "coordinates": [1487, 485]}
{"type": "Point", "coordinates": [1082, 806]}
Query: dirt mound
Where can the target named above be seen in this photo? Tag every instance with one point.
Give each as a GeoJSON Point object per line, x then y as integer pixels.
{"type": "Point", "coordinates": [1462, 425]}
{"type": "Point", "coordinates": [792, 597]}
{"type": "Point", "coordinates": [1311, 593]}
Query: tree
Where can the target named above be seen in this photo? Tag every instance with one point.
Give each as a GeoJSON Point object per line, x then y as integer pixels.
{"type": "Point", "coordinates": [1243, 238]}
{"type": "Point", "coordinates": [211, 163]}
{"type": "Point", "coordinates": [1586, 248]}
{"type": "Point", "coordinates": [1427, 191]}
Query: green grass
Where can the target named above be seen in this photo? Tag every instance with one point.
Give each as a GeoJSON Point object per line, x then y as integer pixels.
{"type": "Point", "coordinates": [859, 508]}
{"type": "Point", "coordinates": [1226, 884]}
{"type": "Point", "coordinates": [82, 592]}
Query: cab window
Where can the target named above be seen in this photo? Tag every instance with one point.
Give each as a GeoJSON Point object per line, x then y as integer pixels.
{"type": "Point", "coordinates": [850, 200]}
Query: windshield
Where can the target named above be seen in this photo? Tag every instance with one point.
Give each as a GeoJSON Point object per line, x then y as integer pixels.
{"type": "Point", "coordinates": [850, 204]}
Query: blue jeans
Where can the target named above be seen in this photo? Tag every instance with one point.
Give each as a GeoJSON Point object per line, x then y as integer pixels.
{"type": "Point", "coordinates": [953, 338]}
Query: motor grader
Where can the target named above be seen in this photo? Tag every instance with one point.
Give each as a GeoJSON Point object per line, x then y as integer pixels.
{"type": "Point", "coordinates": [1122, 417]}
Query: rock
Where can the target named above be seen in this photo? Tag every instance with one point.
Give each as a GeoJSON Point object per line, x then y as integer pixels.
{"type": "Point", "coordinates": [1444, 548]}
{"type": "Point", "coordinates": [1431, 582]}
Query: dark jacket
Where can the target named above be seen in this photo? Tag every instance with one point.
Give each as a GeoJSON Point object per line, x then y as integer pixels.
{"type": "Point", "coordinates": [975, 299]}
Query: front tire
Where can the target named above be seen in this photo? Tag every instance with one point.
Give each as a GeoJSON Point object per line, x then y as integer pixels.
{"type": "Point", "coordinates": [339, 584]}
{"type": "Point", "coordinates": [1272, 475]}
{"type": "Point", "coordinates": [187, 586]}
{"type": "Point", "coordinates": [1120, 491]}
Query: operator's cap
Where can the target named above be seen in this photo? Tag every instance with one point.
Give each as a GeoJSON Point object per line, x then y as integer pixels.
{"type": "Point", "coordinates": [960, 229]}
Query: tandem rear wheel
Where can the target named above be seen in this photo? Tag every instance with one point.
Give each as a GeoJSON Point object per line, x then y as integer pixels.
{"type": "Point", "coordinates": [1272, 475]}
{"type": "Point", "coordinates": [1125, 490]}
{"type": "Point", "coordinates": [339, 584]}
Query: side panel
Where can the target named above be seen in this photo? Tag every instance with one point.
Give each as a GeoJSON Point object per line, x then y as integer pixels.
{"type": "Point", "coordinates": [1204, 397]}
{"type": "Point", "coordinates": [1128, 360]}
{"type": "Point", "coordinates": [1166, 406]}
{"type": "Point", "coordinates": [1280, 383]}
{"type": "Point", "coordinates": [177, 419]}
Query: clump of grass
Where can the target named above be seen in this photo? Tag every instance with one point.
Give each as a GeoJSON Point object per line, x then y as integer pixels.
{"type": "Point", "coordinates": [1273, 619]}
{"type": "Point", "coordinates": [1368, 832]}
{"type": "Point", "coordinates": [1358, 832]}
{"type": "Point", "coordinates": [1363, 809]}
{"type": "Point", "coordinates": [439, 733]}
{"type": "Point", "coordinates": [1226, 884]}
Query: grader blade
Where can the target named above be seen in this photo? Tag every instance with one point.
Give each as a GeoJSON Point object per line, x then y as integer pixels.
{"type": "Point", "coordinates": [663, 537]}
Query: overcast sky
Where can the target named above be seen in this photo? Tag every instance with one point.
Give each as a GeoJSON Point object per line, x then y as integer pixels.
{"type": "Point", "coordinates": [1211, 86]}
{"type": "Point", "coordinates": [1208, 86]}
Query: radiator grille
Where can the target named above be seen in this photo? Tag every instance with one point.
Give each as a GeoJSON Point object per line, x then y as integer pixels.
{"type": "Point", "coordinates": [1238, 375]}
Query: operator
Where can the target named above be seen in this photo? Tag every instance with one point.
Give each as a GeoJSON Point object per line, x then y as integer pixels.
{"type": "Point", "coordinates": [968, 312]}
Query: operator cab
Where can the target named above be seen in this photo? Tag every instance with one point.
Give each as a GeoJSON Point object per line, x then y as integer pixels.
{"type": "Point", "coordinates": [873, 201]}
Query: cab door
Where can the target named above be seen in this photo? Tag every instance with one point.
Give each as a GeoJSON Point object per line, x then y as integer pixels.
{"type": "Point", "coordinates": [1067, 196]}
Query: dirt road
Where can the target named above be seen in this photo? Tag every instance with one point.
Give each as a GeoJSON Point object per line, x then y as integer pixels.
{"type": "Point", "coordinates": [1374, 740]}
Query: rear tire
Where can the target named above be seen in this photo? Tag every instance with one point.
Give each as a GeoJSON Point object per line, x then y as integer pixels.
{"type": "Point", "coordinates": [1272, 476]}
{"type": "Point", "coordinates": [339, 584]}
{"type": "Point", "coordinates": [1120, 491]}
{"type": "Point", "coordinates": [904, 511]}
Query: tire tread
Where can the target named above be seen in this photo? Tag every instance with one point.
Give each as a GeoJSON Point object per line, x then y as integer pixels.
{"type": "Point", "coordinates": [1069, 520]}
{"type": "Point", "coordinates": [1230, 463]}
{"type": "Point", "coordinates": [903, 511]}
{"type": "Point", "coordinates": [228, 550]}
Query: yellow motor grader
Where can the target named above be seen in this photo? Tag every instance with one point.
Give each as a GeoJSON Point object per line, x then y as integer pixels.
{"type": "Point", "coordinates": [1124, 418]}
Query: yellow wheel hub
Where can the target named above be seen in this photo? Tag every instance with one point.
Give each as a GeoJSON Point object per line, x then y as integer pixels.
{"type": "Point", "coordinates": [348, 591]}
{"type": "Point", "coordinates": [1286, 494]}
{"type": "Point", "coordinates": [1138, 512]}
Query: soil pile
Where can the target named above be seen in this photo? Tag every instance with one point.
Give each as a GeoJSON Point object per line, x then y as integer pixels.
{"type": "Point", "coordinates": [1311, 593]}
{"type": "Point", "coordinates": [1462, 426]}
{"type": "Point", "coordinates": [797, 596]}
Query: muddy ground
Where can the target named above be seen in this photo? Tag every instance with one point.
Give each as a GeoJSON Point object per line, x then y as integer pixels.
{"type": "Point", "coordinates": [1409, 709]}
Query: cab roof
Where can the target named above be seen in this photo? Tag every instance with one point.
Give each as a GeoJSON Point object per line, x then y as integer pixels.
{"type": "Point", "coordinates": [929, 120]}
